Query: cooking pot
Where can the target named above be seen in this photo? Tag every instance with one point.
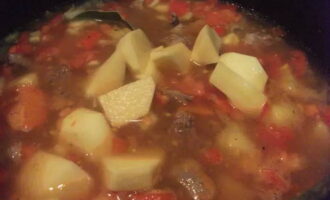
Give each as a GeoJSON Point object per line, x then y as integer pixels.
{"type": "Point", "coordinates": [307, 23]}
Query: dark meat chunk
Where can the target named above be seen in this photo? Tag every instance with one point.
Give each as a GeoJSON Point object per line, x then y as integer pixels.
{"type": "Point", "coordinates": [177, 96]}
{"type": "Point", "coordinates": [183, 124]}
{"type": "Point", "coordinates": [57, 79]}
{"type": "Point", "coordinates": [190, 176]}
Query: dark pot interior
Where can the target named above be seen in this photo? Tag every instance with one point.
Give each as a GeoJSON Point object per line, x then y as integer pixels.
{"type": "Point", "coordinates": [307, 22]}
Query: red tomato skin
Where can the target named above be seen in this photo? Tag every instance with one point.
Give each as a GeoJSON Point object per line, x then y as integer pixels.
{"type": "Point", "coordinates": [276, 137]}
{"type": "Point", "coordinates": [119, 145]}
{"type": "Point", "coordinates": [154, 195]}
{"type": "Point", "coordinates": [299, 63]}
{"type": "Point", "coordinates": [212, 156]}
{"type": "Point", "coordinates": [89, 41]}
{"type": "Point", "coordinates": [179, 7]}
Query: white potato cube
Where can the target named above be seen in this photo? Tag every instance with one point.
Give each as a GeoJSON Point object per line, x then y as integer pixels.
{"type": "Point", "coordinates": [47, 176]}
{"type": "Point", "coordinates": [247, 67]}
{"type": "Point", "coordinates": [206, 47]}
{"type": "Point", "coordinates": [135, 47]}
{"type": "Point", "coordinates": [28, 79]}
{"type": "Point", "coordinates": [131, 172]}
{"type": "Point", "coordinates": [86, 130]}
{"type": "Point", "coordinates": [110, 75]}
{"type": "Point", "coordinates": [241, 94]}
{"type": "Point", "coordinates": [176, 56]}
{"type": "Point", "coordinates": [129, 102]}
{"type": "Point", "coordinates": [151, 69]}
{"type": "Point", "coordinates": [284, 114]}
{"type": "Point", "coordinates": [234, 140]}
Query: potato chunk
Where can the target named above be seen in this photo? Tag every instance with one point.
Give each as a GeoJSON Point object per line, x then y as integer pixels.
{"type": "Point", "coordinates": [206, 47]}
{"type": "Point", "coordinates": [176, 56]}
{"type": "Point", "coordinates": [151, 68]}
{"type": "Point", "coordinates": [241, 93]}
{"type": "Point", "coordinates": [135, 47]}
{"type": "Point", "coordinates": [131, 172]}
{"type": "Point", "coordinates": [110, 75]}
{"type": "Point", "coordinates": [86, 130]}
{"type": "Point", "coordinates": [129, 102]}
{"type": "Point", "coordinates": [247, 67]}
{"type": "Point", "coordinates": [234, 140]}
{"type": "Point", "coordinates": [284, 114]}
{"type": "Point", "coordinates": [47, 176]}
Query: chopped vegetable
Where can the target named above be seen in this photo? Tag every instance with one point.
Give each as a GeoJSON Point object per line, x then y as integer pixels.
{"type": "Point", "coordinates": [86, 130]}
{"type": "Point", "coordinates": [129, 102]}
{"type": "Point", "coordinates": [179, 7]}
{"type": "Point", "coordinates": [135, 47]}
{"type": "Point", "coordinates": [47, 176]}
{"type": "Point", "coordinates": [176, 56]}
{"type": "Point", "coordinates": [242, 81]}
{"type": "Point", "coordinates": [206, 47]}
{"type": "Point", "coordinates": [131, 172]}
{"type": "Point", "coordinates": [283, 114]}
{"type": "Point", "coordinates": [233, 140]}
{"type": "Point", "coordinates": [151, 67]}
{"type": "Point", "coordinates": [110, 75]}
{"type": "Point", "coordinates": [154, 195]}
{"type": "Point", "coordinates": [278, 137]}
{"type": "Point", "coordinates": [247, 67]}
{"type": "Point", "coordinates": [30, 111]}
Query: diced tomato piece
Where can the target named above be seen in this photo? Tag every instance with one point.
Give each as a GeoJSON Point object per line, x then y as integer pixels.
{"type": "Point", "coordinates": [221, 103]}
{"type": "Point", "coordinates": [221, 30]}
{"type": "Point", "coordinates": [154, 195]}
{"type": "Point", "coordinates": [201, 8]}
{"type": "Point", "coordinates": [192, 86]}
{"type": "Point", "coordinates": [228, 6]}
{"type": "Point", "coordinates": [89, 41]}
{"type": "Point", "coordinates": [311, 110]}
{"type": "Point", "coordinates": [264, 111]}
{"type": "Point", "coordinates": [46, 54]}
{"type": "Point", "coordinates": [161, 99]}
{"type": "Point", "coordinates": [119, 145]}
{"type": "Point", "coordinates": [198, 109]}
{"type": "Point", "coordinates": [3, 176]}
{"type": "Point", "coordinates": [212, 156]}
{"type": "Point", "coordinates": [179, 7]}
{"type": "Point", "coordinates": [27, 150]}
{"type": "Point", "coordinates": [221, 17]}
{"type": "Point", "coordinates": [21, 48]}
{"type": "Point", "coordinates": [24, 37]}
{"type": "Point", "coordinates": [7, 72]}
{"type": "Point", "coordinates": [56, 20]}
{"type": "Point", "coordinates": [326, 115]}
{"type": "Point", "coordinates": [275, 136]}
{"type": "Point", "coordinates": [79, 61]}
{"type": "Point", "coordinates": [272, 62]}
{"type": "Point", "coordinates": [30, 110]}
{"type": "Point", "coordinates": [273, 179]}
{"type": "Point", "coordinates": [298, 61]}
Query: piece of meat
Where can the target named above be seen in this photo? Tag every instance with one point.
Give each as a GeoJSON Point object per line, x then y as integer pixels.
{"type": "Point", "coordinates": [190, 176]}
{"type": "Point", "coordinates": [183, 124]}
{"type": "Point", "coordinates": [57, 78]}
{"type": "Point", "coordinates": [177, 96]}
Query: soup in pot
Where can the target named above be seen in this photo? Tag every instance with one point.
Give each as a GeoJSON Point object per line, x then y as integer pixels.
{"type": "Point", "coordinates": [159, 100]}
